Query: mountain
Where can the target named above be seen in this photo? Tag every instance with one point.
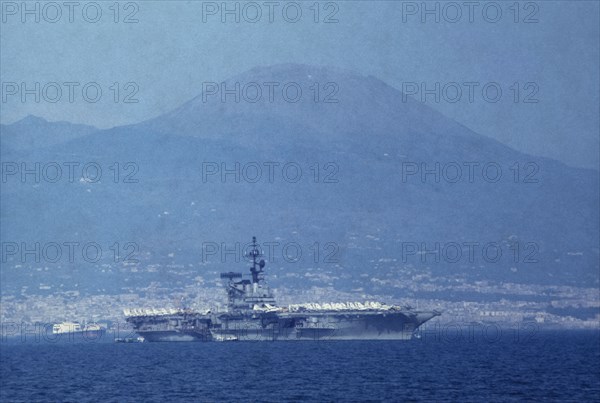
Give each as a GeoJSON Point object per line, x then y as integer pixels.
{"type": "Point", "coordinates": [363, 207]}
{"type": "Point", "coordinates": [33, 132]}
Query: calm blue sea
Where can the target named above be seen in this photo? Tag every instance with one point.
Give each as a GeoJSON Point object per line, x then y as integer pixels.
{"type": "Point", "coordinates": [563, 366]}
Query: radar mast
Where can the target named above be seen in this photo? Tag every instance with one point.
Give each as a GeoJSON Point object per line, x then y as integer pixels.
{"type": "Point", "coordinates": [255, 253]}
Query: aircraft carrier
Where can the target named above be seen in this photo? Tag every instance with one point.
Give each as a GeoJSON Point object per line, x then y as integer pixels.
{"type": "Point", "coordinates": [253, 315]}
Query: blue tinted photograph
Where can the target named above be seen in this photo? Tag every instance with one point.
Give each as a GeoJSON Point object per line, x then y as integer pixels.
{"type": "Point", "coordinates": [299, 201]}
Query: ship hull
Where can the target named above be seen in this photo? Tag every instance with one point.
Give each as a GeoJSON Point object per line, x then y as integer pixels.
{"type": "Point", "coordinates": [294, 327]}
{"type": "Point", "coordinates": [323, 326]}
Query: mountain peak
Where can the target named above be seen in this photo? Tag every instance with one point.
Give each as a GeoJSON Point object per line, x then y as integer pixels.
{"type": "Point", "coordinates": [292, 71]}
{"type": "Point", "coordinates": [34, 131]}
{"type": "Point", "coordinates": [309, 103]}
{"type": "Point", "coordinates": [30, 120]}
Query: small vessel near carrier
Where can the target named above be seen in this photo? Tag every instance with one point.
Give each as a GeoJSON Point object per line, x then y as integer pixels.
{"type": "Point", "coordinates": [75, 330]}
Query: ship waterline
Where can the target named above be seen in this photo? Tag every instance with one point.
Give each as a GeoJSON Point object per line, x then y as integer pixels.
{"type": "Point", "coordinates": [252, 315]}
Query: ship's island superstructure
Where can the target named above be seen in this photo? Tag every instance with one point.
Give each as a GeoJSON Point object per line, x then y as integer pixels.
{"type": "Point", "coordinates": [253, 315]}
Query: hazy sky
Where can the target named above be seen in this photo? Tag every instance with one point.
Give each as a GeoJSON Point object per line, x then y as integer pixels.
{"type": "Point", "coordinates": [170, 51]}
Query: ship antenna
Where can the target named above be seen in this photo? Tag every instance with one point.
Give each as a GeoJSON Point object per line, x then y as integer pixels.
{"type": "Point", "coordinates": [255, 254]}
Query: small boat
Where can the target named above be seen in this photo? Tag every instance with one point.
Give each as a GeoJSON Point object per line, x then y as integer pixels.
{"type": "Point", "coordinates": [130, 340]}
{"type": "Point", "coordinates": [224, 337]}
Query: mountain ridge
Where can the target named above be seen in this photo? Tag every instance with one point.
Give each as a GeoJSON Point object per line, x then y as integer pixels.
{"type": "Point", "coordinates": [369, 136]}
